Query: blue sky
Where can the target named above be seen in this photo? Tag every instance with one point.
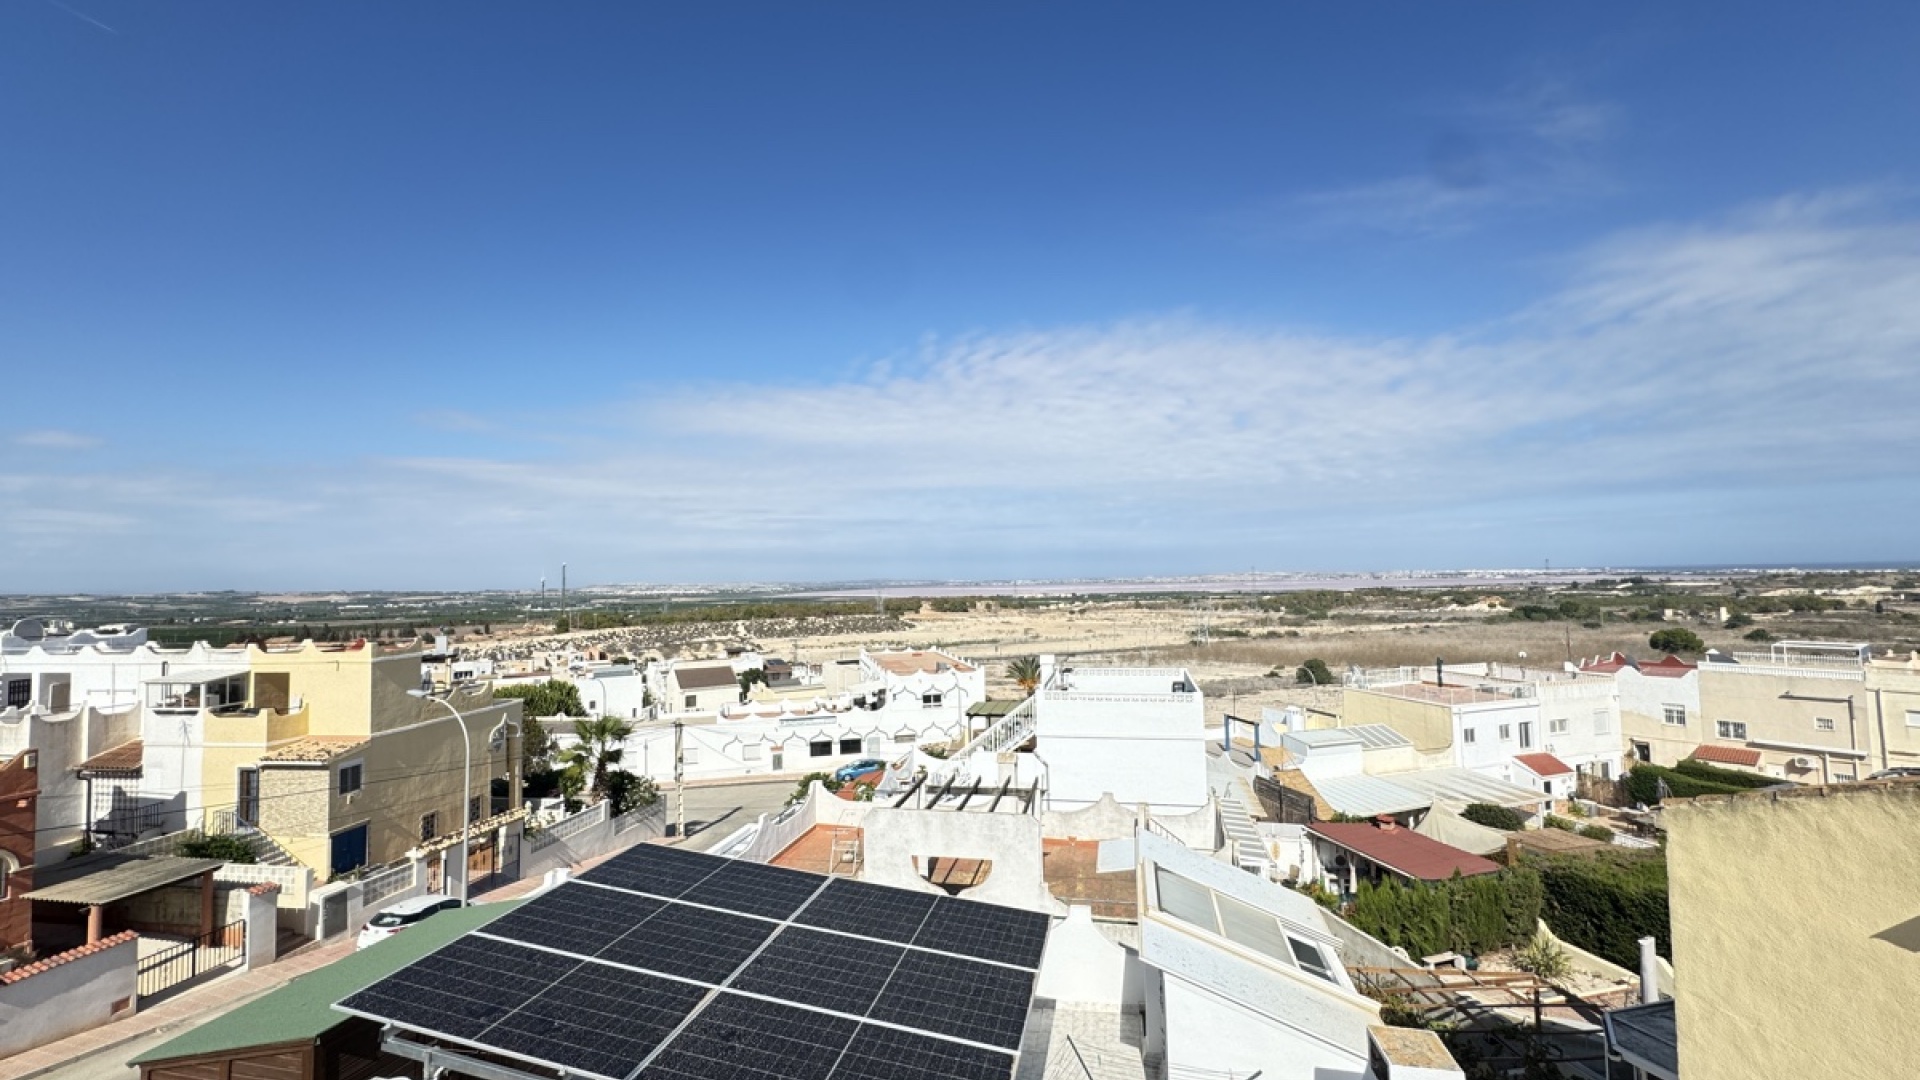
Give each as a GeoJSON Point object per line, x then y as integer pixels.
{"type": "Point", "coordinates": [441, 295]}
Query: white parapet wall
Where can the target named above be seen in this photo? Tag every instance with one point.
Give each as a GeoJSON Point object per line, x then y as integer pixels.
{"type": "Point", "coordinates": [69, 993]}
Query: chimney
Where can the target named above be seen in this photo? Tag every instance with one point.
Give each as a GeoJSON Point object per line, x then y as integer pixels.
{"type": "Point", "coordinates": [1385, 823]}
{"type": "Point", "coordinates": [1439, 671]}
{"type": "Point", "coordinates": [1649, 972]}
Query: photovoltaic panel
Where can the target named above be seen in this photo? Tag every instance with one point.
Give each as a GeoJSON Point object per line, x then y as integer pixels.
{"type": "Point", "coordinates": [651, 868]}
{"type": "Point", "coordinates": [878, 1053]}
{"type": "Point", "coordinates": [963, 998]}
{"type": "Point", "coordinates": [582, 921]}
{"type": "Point", "coordinates": [987, 931]}
{"type": "Point", "coordinates": [755, 888]}
{"type": "Point", "coordinates": [840, 973]}
{"type": "Point", "coordinates": [596, 1019]}
{"type": "Point", "coordinates": [753, 1040]}
{"type": "Point", "coordinates": [463, 989]}
{"type": "Point", "coordinates": [855, 907]}
{"type": "Point", "coordinates": [690, 942]}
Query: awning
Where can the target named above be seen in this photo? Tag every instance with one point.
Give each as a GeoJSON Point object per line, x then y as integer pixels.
{"type": "Point", "coordinates": [196, 675]}
{"type": "Point", "coordinates": [102, 879]}
{"type": "Point", "coordinates": [125, 758]}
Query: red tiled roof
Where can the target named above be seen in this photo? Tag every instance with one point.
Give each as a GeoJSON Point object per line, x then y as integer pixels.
{"type": "Point", "coordinates": [1608, 666]}
{"type": "Point", "coordinates": [123, 758]}
{"type": "Point", "coordinates": [124, 937]}
{"type": "Point", "coordinates": [1404, 851]}
{"type": "Point", "coordinates": [1727, 755]}
{"type": "Point", "coordinates": [705, 678]}
{"type": "Point", "coordinates": [1667, 667]}
{"type": "Point", "coordinates": [1543, 764]}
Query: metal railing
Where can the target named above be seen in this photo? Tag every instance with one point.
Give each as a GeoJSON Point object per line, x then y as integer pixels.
{"type": "Point", "coordinates": [174, 967]}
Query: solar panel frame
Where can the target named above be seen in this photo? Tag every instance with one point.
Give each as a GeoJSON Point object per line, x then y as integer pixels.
{"type": "Point", "coordinates": [597, 1019]}
{"type": "Point", "coordinates": [655, 870]}
{"type": "Point", "coordinates": [965, 999]}
{"type": "Point", "coordinates": [690, 943]}
{"type": "Point", "coordinates": [750, 1039]}
{"type": "Point", "coordinates": [884, 1053]}
{"type": "Point", "coordinates": [994, 932]}
{"type": "Point", "coordinates": [578, 921]}
{"type": "Point", "coordinates": [830, 971]}
{"type": "Point", "coordinates": [771, 892]}
{"type": "Point", "coordinates": [857, 907]}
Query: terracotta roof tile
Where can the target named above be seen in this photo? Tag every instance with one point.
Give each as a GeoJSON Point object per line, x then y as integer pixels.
{"type": "Point", "coordinates": [705, 678]}
{"type": "Point", "coordinates": [1727, 755]}
{"type": "Point", "coordinates": [315, 748]}
{"type": "Point", "coordinates": [1404, 851]}
{"type": "Point", "coordinates": [123, 758]}
{"type": "Point", "coordinates": [124, 937]}
{"type": "Point", "coordinates": [1543, 765]}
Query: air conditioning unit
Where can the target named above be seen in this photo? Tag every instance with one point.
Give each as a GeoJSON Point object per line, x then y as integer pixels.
{"type": "Point", "coordinates": [1800, 763]}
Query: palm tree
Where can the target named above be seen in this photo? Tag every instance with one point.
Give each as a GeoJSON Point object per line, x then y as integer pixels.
{"type": "Point", "coordinates": [1025, 670]}
{"type": "Point", "coordinates": [598, 750]}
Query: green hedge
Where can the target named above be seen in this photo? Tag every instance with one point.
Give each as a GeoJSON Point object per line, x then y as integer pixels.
{"type": "Point", "coordinates": [1492, 816]}
{"type": "Point", "coordinates": [1468, 915]}
{"type": "Point", "coordinates": [1643, 784]}
{"type": "Point", "coordinates": [1607, 902]}
{"type": "Point", "coordinates": [1714, 774]}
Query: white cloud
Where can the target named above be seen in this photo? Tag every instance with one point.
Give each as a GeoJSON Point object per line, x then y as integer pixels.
{"type": "Point", "coordinates": [1763, 362]}
{"type": "Point", "coordinates": [55, 440]}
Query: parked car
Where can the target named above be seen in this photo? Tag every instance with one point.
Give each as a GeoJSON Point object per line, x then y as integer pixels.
{"type": "Point", "coordinates": [402, 915]}
{"type": "Point", "coordinates": [854, 770]}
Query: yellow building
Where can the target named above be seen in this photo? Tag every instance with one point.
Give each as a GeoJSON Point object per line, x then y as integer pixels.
{"type": "Point", "coordinates": [1796, 931]}
{"type": "Point", "coordinates": [372, 771]}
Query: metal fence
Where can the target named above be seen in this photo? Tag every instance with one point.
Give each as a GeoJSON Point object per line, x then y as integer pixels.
{"type": "Point", "coordinates": [174, 967]}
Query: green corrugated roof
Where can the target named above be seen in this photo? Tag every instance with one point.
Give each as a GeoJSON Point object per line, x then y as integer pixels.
{"type": "Point", "coordinates": [992, 708]}
{"type": "Point", "coordinates": [303, 1009]}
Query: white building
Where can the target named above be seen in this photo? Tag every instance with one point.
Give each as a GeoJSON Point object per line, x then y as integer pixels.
{"type": "Point", "coordinates": [614, 690]}
{"type": "Point", "coordinates": [74, 694]}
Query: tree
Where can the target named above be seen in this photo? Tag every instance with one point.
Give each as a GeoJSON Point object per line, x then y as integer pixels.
{"type": "Point", "coordinates": [590, 760]}
{"type": "Point", "coordinates": [1675, 639]}
{"type": "Point", "coordinates": [550, 698]}
{"type": "Point", "coordinates": [1025, 671]}
{"type": "Point", "coordinates": [629, 792]}
{"type": "Point", "coordinates": [750, 677]}
{"type": "Point", "coordinates": [1313, 673]}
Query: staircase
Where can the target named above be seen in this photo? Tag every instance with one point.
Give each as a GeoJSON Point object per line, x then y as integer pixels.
{"type": "Point", "coordinates": [1249, 851]}
{"type": "Point", "coordinates": [265, 849]}
{"type": "Point", "coordinates": [1005, 733]}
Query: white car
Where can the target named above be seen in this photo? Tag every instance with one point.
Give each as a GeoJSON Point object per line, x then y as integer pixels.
{"type": "Point", "coordinates": [402, 915]}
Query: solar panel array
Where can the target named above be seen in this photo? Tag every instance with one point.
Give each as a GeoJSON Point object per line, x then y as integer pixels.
{"type": "Point", "coordinates": [664, 964]}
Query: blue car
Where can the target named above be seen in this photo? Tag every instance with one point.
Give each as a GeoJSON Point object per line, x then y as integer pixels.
{"type": "Point", "coordinates": [856, 769]}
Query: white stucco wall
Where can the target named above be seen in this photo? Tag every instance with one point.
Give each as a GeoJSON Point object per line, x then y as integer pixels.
{"type": "Point", "coordinates": [1125, 733]}
{"type": "Point", "coordinates": [895, 838]}
{"type": "Point", "coordinates": [69, 998]}
{"type": "Point", "coordinates": [1082, 966]}
{"type": "Point", "coordinates": [1209, 1035]}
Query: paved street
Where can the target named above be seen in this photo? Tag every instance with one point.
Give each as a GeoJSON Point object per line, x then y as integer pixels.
{"type": "Point", "coordinates": [715, 812]}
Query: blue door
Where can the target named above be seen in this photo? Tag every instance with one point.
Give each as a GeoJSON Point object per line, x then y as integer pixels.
{"type": "Point", "coordinates": [349, 850]}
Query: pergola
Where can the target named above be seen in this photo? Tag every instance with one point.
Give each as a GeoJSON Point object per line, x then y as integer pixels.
{"type": "Point", "coordinates": [95, 881]}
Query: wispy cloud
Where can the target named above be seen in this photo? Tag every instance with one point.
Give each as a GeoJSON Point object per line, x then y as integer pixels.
{"type": "Point", "coordinates": [55, 440]}
{"type": "Point", "coordinates": [1764, 361]}
{"type": "Point", "coordinates": [1539, 142]}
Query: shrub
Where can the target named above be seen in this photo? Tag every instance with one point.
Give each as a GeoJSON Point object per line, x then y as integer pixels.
{"type": "Point", "coordinates": [1714, 774]}
{"type": "Point", "coordinates": [826, 780]}
{"type": "Point", "coordinates": [1675, 639]}
{"type": "Point", "coordinates": [1761, 635]}
{"type": "Point", "coordinates": [1468, 915]}
{"type": "Point", "coordinates": [1504, 818]}
{"type": "Point", "coordinates": [228, 848]}
{"type": "Point", "coordinates": [1606, 902]}
{"type": "Point", "coordinates": [1544, 958]}
{"type": "Point", "coordinates": [1555, 821]}
{"type": "Point", "coordinates": [1596, 832]}
{"type": "Point", "coordinates": [1313, 673]}
{"type": "Point", "coordinates": [1643, 784]}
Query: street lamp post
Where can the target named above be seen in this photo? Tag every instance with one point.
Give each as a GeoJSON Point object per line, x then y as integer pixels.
{"type": "Point", "coordinates": [466, 779]}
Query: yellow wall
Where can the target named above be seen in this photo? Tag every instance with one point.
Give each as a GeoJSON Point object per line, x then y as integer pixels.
{"type": "Point", "coordinates": [1894, 687]}
{"type": "Point", "coordinates": [1775, 904]}
{"type": "Point", "coordinates": [1756, 700]}
{"type": "Point", "coordinates": [1428, 724]}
